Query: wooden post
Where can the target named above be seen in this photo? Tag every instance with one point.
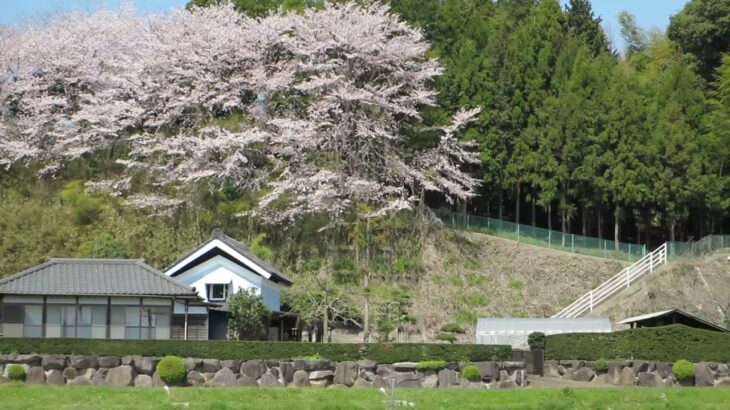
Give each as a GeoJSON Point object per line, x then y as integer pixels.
{"type": "Point", "coordinates": [44, 318]}
{"type": "Point", "coordinates": [109, 317]}
{"type": "Point", "coordinates": [185, 328]}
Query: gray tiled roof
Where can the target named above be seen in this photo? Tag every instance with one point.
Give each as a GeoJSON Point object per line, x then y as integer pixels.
{"type": "Point", "coordinates": [241, 248]}
{"type": "Point", "coordinates": [82, 277]}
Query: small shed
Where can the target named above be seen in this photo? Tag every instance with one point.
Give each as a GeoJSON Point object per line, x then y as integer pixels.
{"type": "Point", "coordinates": [670, 317]}
{"type": "Point", "coordinates": [514, 331]}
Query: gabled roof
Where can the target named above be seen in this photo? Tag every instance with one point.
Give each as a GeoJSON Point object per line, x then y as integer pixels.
{"type": "Point", "coordinates": [237, 251]}
{"type": "Point", "coordinates": [98, 277]}
{"type": "Point", "coordinates": [669, 313]}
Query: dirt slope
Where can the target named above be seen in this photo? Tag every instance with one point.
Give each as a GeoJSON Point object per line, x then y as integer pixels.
{"type": "Point", "coordinates": [698, 286]}
{"type": "Point", "coordinates": [470, 275]}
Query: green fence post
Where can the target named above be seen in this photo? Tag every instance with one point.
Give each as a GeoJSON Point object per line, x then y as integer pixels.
{"type": "Point", "coordinates": [518, 232]}
{"type": "Point", "coordinates": [467, 222]}
{"type": "Point", "coordinates": [643, 250]}
{"type": "Point", "coordinates": [572, 242]}
{"type": "Point", "coordinates": [605, 255]}
{"type": "Point", "coordinates": [550, 238]}
{"type": "Point", "coordinates": [630, 251]}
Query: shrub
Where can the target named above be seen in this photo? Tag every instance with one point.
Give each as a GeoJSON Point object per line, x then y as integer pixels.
{"type": "Point", "coordinates": [452, 328]}
{"type": "Point", "coordinates": [665, 344]}
{"type": "Point", "coordinates": [247, 316]}
{"type": "Point", "coordinates": [446, 337]}
{"type": "Point", "coordinates": [471, 373]}
{"type": "Point", "coordinates": [536, 340]}
{"type": "Point", "coordinates": [431, 365]}
{"type": "Point", "coordinates": [601, 365]}
{"type": "Point", "coordinates": [171, 370]}
{"type": "Point", "coordinates": [683, 370]}
{"type": "Point", "coordinates": [16, 372]}
{"type": "Point", "coordinates": [247, 350]}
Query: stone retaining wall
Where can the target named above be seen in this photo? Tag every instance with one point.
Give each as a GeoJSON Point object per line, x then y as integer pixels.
{"type": "Point", "coordinates": [141, 372]}
{"type": "Point", "coordinates": [638, 373]}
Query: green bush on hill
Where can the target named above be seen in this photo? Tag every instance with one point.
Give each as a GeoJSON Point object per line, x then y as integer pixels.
{"type": "Point", "coordinates": [452, 328]}
{"type": "Point", "coordinates": [247, 350]}
{"type": "Point", "coordinates": [446, 337]}
{"type": "Point", "coordinates": [667, 344]}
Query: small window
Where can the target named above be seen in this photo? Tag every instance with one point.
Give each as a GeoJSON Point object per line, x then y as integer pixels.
{"type": "Point", "coordinates": [217, 292]}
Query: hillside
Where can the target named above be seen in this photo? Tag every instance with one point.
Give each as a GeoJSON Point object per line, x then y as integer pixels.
{"type": "Point", "coordinates": [697, 286]}
{"type": "Point", "coordinates": [469, 275]}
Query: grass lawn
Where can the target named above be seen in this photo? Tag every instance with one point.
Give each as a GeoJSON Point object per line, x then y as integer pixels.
{"type": "Point", "coordinates": [21, 396]}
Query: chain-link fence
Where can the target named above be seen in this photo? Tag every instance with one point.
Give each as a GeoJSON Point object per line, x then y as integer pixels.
{"type": "Point", "coordinates": [704, 246]}
{"type": "Point", "coordinates": [543, 237]}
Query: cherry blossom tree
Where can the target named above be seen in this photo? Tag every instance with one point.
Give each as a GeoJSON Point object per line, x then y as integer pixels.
{"type": "Point", "coordinates": [314, 107]}
{"type": "Point", "coordinates": [361, 80]}
{"type": "Point", "coordinates": [70, 86]}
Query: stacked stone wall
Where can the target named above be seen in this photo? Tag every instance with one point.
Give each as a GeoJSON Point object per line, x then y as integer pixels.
{"type": "Point", "coordinates": [141, 371]}
{"type": "Point", "coordinates": [638, 373]}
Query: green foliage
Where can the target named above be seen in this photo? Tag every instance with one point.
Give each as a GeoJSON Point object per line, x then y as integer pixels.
{"type": "Point", "coordinates": [667, 344]}
{"type": "Point", "coordinates": [171, 370]}
{"type": "Point", "coordinates": [452, 328]}
{"type": "Point", "coordinates": [516, 284]}
{"type": "Point", "coordinates": [248, 316]}
{"type": "Point", "coordinates": [475, 299]}
{"type": "Point", "coordinates": [16, 372]}
{"type": "Point", "coordinates": [259, 249]}
{"type": "Point", "coordinates": [683, 370]}
{"type": "Point", "coordinates": [471, 373]}
{"type": "Point", "coordinates": [447, 337]}
{"type": "Point", "coordinates": [248, 350]}
{"type": "Point", "coordinates": [475, 279]}
{"type": "Point", "coordinates": [431, 365]}
{"type": "Point", "coordinates": [86, 210]}
{"type": "Point", "coordinates": [601, 365]}
{"type": "Point", "coordinates": [406, 264]}
{"type": "Point", "coordinates": [104, 246]}
{"type": "Point", "coordinates": [702, 28]}
{"type": "Point", "coordinates": [585, 27]}
{"type": "Point", "coordinates": [392, 312]}
{"type": "Point", "coordinates": [536, 340]}
{"type": "Point", "coordinates": [465, 316]}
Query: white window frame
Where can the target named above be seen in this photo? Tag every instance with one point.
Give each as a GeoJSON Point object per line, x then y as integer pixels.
{"type": "Point", "coordinates": [211, 292]}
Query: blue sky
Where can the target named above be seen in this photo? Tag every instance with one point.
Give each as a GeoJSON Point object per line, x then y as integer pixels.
{"type": "Point", "coordinates": [649, 13]}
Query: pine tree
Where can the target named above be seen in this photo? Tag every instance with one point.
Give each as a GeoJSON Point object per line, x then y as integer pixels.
{"type": "Point", "coordinates": [585, 27]}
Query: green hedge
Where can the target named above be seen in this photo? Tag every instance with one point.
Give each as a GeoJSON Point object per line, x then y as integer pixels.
{"type": "Point", "coordinates": [225, 349]}
{"type": "Point", "coordinates": [667, 344]}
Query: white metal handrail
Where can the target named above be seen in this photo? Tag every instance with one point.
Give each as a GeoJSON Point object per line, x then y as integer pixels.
{"type": "Point", "coordinates": [620, 281]}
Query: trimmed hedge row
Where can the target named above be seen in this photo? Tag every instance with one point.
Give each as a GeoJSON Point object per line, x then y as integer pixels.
{"type": "Point", "coordinates": [247, 350]}
{"type": "Point", "coordinates": [666, 344]}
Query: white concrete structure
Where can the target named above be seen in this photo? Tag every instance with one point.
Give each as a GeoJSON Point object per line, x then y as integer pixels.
{"type": "Point", "coordinates": [514, 331]}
